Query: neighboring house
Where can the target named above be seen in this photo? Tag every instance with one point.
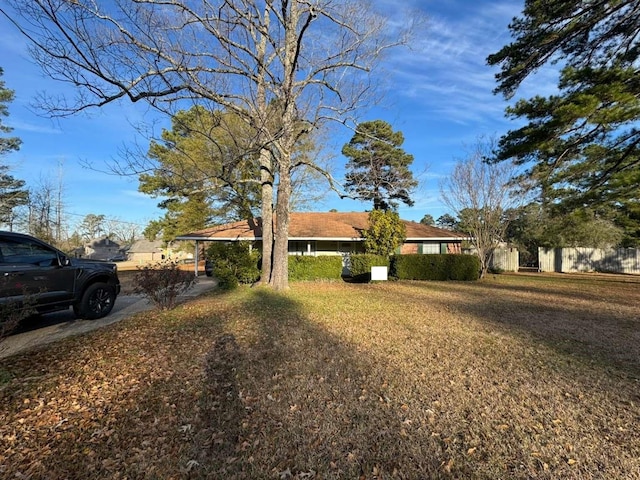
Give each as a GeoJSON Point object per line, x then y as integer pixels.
{"type": "Point", "coordinates": [145, 251]}
{"type": "Point", "coordinates": [101, 249]}
{"type": "Point", "coordinates": [329, 233]}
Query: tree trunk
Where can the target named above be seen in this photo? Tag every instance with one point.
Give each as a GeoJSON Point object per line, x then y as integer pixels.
{"type": "Point", "coordinates": [280, 271]}
{"type": "Point", "coordinates": [266, 178]}
{"type": "Point", "coordinates": [266, 161]}
{"type": "Point", "coordinates": [486, 257]}
{"type": "Point", "coordinates": [291, 18]}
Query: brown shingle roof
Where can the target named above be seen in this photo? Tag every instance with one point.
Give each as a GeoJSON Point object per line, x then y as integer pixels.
{"type": "Point", "coordinates": [315, 225]}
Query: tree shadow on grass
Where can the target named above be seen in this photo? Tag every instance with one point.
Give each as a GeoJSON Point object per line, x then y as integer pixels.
{"type": "Point", "coordinates": [309, 410]}
{"type": "Point", "coordinates": [581, 326]}
{"type": "Point", "coordinates": [319, 406]}
{"type": "Point", "coordinates": [572, 286]}
{"type": "Point", "coordinates": [257, 386]}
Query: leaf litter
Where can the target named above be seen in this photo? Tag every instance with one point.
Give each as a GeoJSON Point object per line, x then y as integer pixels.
{"type": "Point", "coordinates": [513, 377]}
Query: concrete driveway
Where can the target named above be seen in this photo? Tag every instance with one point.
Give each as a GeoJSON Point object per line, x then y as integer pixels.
{"type": "Point", "coordinates": [52, 327]}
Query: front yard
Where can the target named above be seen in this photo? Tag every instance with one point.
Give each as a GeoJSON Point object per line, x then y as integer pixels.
{"type": "Point", "coordinates": [512, 377]}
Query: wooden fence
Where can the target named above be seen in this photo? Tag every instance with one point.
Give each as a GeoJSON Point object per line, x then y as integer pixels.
{"type": "Point", "coordinates": [506, 259]}
{"type": "Point", "coordinates": [567, 260]}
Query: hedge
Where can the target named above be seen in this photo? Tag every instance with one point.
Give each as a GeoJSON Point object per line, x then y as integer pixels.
{"type": "Point", "coordinates": [315, 268]}
{"type": "Point", "coordinates": [437, 267]}
{"type": "Point", "coordinates": [234, 263]}
{"type": "Point", "coordinates": [361, 264]}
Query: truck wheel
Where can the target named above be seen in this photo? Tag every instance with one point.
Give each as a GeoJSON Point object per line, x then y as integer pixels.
{"type": "Point", "coordinates": [96, 302]}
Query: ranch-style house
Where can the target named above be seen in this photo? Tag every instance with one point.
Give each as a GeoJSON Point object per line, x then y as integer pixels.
{"type": "Point", "coordinates": [328, 233]}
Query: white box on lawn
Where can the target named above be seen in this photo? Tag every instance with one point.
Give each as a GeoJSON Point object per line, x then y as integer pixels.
{"type": "Point", "coordinates": [378, 273]}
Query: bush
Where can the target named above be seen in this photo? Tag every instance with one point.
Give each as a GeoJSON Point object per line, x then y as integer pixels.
{"type": "Point", "coordinates": [386, 232]}
{"type": "Point", "coordinates": [315, 268]}
{"type": "Point", "coordinates": [226, 279]}
{"type": "Point", "coordinates": [234, 263]}
{"type": "Point", "coordinates": [361, 264]}
{"type": "Point", "coordinates": [162, 282]}
{"type": "Point", "coordinates": [437, 267]}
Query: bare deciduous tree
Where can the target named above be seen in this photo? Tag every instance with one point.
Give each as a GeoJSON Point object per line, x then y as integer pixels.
{"type": "Point", "coordinates": [46, 218]}
{"type": "Point", "coordinates": [310, 58]}
{"type": "Point", "coordinates": [125, 233]}
{"type": "Point", "coordinates": [480, 193]}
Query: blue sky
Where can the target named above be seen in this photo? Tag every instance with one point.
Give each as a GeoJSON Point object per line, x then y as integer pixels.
{"type": "Point", "coordinates": [439, 95]}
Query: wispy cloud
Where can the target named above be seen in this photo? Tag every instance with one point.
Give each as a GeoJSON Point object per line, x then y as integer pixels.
{"type": "Point", "coordinates": [21, 126]}
{"type": "Point", "coordinates": [445, 71]}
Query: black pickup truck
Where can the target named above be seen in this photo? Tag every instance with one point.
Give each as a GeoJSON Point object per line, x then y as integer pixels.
{"type": "Point", "coordinates": [40, 277]}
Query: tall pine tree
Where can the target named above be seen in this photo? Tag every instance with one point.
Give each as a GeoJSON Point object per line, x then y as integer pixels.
{"type": "Point", "coordinates": [378, 168]}
{"type": "Point", "coordinates": [12, 191]}
{"type": "Point", "coordinates": [580, 147]}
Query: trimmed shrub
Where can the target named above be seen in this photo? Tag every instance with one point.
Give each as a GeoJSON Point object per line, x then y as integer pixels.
{"type": "Point", "coordinates": [315, 268]}
{"type": "Point", "coordinates": [361, 264]}
{"type": "Point", "coordinates": [226, 279]}
{"type": "Point", "coordinates": [234, 263]}
{"type": "Point", "coordinates": [437, 267]}
{"type": "Point", "coordinates": [162, 282]}
{"type": "Point", "coordinates": [386, 232]}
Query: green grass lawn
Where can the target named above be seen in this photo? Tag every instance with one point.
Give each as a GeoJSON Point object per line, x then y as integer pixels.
{"type": "Point", "coordinates": [511, 377]}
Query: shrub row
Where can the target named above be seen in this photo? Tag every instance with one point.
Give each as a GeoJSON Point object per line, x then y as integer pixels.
{"type": "Point", "coordinates": [315, 268]}
{"type": "Point", "coordinates": [402, 267]}
{"type": "Point", "coordinates": [236, 263]}
{"type": "Point", "coordinates": [436, 267]}
{"type": "Point", "coordinates": [361, 264]}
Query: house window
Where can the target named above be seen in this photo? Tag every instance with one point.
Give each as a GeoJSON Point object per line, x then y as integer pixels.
{"type": "Point", "coordinates": [302, 248]}
{"type": "Point", "coordinates": [430, 248]}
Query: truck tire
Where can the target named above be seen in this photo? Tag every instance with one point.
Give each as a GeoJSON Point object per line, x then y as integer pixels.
{"type": "Point", "coordinates": [96, 302]}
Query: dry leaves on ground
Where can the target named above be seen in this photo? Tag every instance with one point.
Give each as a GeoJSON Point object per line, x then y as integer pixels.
{"type": "Point", "coordinates": [514, 377]}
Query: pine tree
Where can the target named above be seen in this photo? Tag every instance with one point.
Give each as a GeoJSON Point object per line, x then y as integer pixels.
{"type": "Point", "coordinates": [378, 168]}
{"type": "Point", "coordinates": [580, 147]}
{"type": "Point", "coordinates": [12, 191]}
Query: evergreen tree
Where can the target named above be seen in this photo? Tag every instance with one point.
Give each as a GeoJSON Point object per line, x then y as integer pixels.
{"type": "Point", "coordinates": [378, 168]}
{"type": "Point", "coordinates": [205, 151]}
{"type": "Point", "coordinates": [428, 220]}
{"type": "Point", "coordinates": [581, 147]}
{"type": "Point", "coordinates": [12, 191]}
{"type": "Point", "coordinates": [447, 221]}
{"type": "Point", "coordinates": [182, 215]}
{"type": "Point", "coordinates": [386, 232]}
{"type": "Point", "coordinates": [531, 226]}
{"type": "Point", "coordinates": [7, 144]}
